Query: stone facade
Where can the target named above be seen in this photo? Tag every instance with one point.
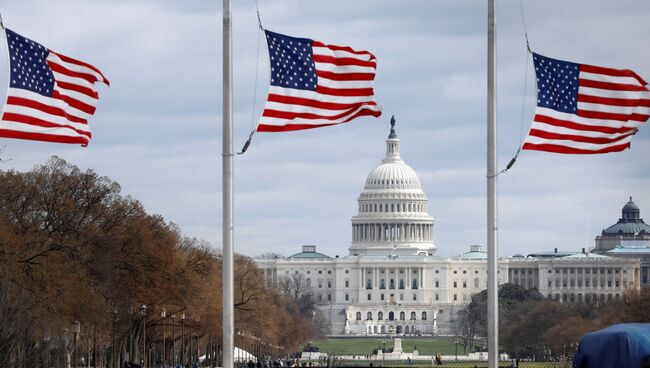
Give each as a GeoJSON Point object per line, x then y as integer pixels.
{"type": "Point", "coordinates": [392, 281]}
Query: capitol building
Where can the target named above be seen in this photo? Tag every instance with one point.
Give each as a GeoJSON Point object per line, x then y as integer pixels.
{"type": "Point", "coordinates": [393, 282]}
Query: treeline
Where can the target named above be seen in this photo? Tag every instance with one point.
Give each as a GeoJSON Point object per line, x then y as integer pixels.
{"type": "Point", "coordinates": [534, 327]}
{"type": "Point", "coordinates": [73, 248]}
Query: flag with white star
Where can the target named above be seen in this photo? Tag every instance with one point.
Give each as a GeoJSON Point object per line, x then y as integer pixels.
{"type": "Point", "coordinates": [50, 97]}
{"type": "Point", "coordinates": [583, 109]}
{"type": "Point", "coordinates": [315, 85]}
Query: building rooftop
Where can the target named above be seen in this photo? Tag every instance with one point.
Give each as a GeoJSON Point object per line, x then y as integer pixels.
{"type": "Point", "coordinates": [309, 252]}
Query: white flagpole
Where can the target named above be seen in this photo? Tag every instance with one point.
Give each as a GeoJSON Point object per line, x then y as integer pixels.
{"type": "Point", "coordinates": [228, 313]}
{"type": "Point", "coordinates": [493, 300]}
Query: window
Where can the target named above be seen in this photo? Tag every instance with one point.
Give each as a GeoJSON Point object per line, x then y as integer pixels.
{"type": "Point", "coordinates": [392, 284]}
{"type": "Point", "coordinates": [455, 284]}
{"type": "Point", "coordinates": [308, 283]}
{"type": "Point", "coordinates": [412, 316]}
{"type": "Point", "coordinates": [320, 272]}
{"type": "Point", "coordinates": [369, 296]}
{"type": "Point", "coordinates": [437, 297]}
{"type": "Point", "coordinates": [320, 284]}
{"type": "Point", "coordinates": [320, 298]}
{"type": "Point", "coordinates": [401, 297]}
{"type": "Point", "coordinates": [464, 284]}
{"type": "Point", "coordinates": [415, 296]}
{"type": "Point", "coordinates": [308, 272]}
{"type": "Point", "coordinates": [347, 297]}
{"type": "Point", "coordinates": [369, 284]}
{"type": "Point", "coordinates": [381, 296]}
{"type": "Point", "coordinates": [347, 283]}
{"type": "Point", "coordinates": [455, 297]}
{"type": "Point", "coordinates": [329, 283]}
{"type": "Point", "coordinates": [424, 316]}
{"type": "Point", "coordinates": [455, 271]}
{"type": "Point", "coordinates": [347, 271]}
{"type": "Point", "coordinates": [401, 283]}
{"type": "Point", "coordinates": [437, 283]}
{"type": "Point", "coordinates": [391, 316]}
{"type": "Point", "coordinates": [464, 271]}
{"type": "Point", "coordinates": [369, 316]}
{"type": "Point", "coordinates": [382, 284]}
{"type": "Point", "coordinates": [414, 284]}
{"type": "Point", "coordinates": [380, 316]}
{"type": "Point", "coordinates": [402, 316]}
{"type": "Point", "coordinates": [358, 316]}
{"type": "Point", "coordinates": [437, 271]}
{"type": "Point", "coordinates": [329, 297]}
{"type": "Point", "coordinates": [329, 272]}
{"type": "Point", "coordinates": [476, 283]}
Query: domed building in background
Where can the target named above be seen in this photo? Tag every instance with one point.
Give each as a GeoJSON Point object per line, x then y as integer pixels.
{"type": "Point", "coordinates": [393, 282]}
{"type": "Point", "coordinates": [629, 229]}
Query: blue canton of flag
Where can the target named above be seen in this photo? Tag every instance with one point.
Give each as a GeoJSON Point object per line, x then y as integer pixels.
{"type": "Point", "coordinates": [557, 83]}
{"type": "Point", "coordinates": [28, 65]}
{"type": "Point", "coordinates": [292, 64]}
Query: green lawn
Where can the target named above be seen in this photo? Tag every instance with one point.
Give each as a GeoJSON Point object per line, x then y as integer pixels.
{"type": "Point", "coordinates": [364, 346]}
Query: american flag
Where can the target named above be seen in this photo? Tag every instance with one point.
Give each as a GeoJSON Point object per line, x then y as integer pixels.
{"type": "Point", "coordinates": [583, 109]}
{"type": "Point", "coordinates": [315, 85]}
{"type": "Point", "coordinates": [51, 96]}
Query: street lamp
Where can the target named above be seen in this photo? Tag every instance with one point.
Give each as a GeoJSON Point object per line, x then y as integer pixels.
{"type": "Point", "coordinates": [182, 338]}
{"type": "Point", "coordinates": [76, 328]}
{"type": "Point", "coordinates": [143, 312]}
{"type": "Point", "coordinates": [115, 365]}
{"type": "Point", "coordinates": [163, 315]}
{"type": "Point", "coordinates": [173, 340]}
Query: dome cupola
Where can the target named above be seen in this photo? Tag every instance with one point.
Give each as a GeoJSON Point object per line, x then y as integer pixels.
{"type": "Point", "coordinates": [392, 215]}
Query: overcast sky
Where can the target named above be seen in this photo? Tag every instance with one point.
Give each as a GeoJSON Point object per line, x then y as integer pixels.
{"type": "Point", "coordinates": [157, 130]}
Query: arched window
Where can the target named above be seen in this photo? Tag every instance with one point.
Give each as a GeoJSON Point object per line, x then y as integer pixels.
{"type": "Point", "coordinates": [391, 316]}
{"type": "Point", "coordinates": [382, 284]}
{"type": "Point", "coordinates": [402, 316]}
{"type": "Point", "coordinates": [424, 316]}
{"type": "Point", "coordinates": [476, 282]}
{"type": "Point", "coordinates": [401, 283]}
{"type": "Point", "coordinates": [369, 316]}
{"type": "Point", "coordinates": [414, 284]}
{"type": "Point", "coordinates": [380, 316]}
{"type": "Point", "coordinates": [412, 316]}
{"type": "Point", "coordinates": [358, 316]}
{"type": "Point", "coordinates": [369, 284]}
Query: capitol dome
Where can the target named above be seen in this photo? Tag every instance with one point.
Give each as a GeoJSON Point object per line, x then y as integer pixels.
{"type": "Point", "coordinates": [630, 222]}
{"type": "Point", "coordinates": [392, 217]}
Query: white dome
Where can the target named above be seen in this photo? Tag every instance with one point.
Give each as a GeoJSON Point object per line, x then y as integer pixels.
{"type": "Point", "coordinates": [392, 175]}
{"type": "Point", "coordinates": [392, 215]}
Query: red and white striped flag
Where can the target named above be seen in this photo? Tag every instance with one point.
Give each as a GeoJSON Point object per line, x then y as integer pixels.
{"type": "Point", "coordinates": [315, 85]}
{"type": "Point", "coordinates": [51, 96]}
{"type": "Point", "coordinates": [584, 109]}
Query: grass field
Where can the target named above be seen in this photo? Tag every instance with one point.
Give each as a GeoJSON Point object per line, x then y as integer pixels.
{"type": "Point", "coordinates": [364, 346]}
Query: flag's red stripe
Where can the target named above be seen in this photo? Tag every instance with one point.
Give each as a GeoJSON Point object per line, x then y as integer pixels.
{"type": "Point", "coordinates": [77, 88]}
{"type": "Point", "coordinates": [577, 126]}
{"type": "Point", "coordinates": [52, 110]}
{"type": "Point", "coordinates": [342, 61]}
{"type": "Point", "coordinates": [39, 122]}
{"type": "Point", "coordinates": [613, 101]}
{"type": "Point", "coordinates": [63, 70]}
{"type": "Point", "coordinates": [611, 72]}
{"type": "Point", "coordinates": [346, 76]}
{"type": "Point", "coordinates": [291, 127]}
{"type": "Point", "coordinates": [43, 137]}
{"type": "Point", "coordinates": [570, 150]}
{"type": "Point", "coordinates": [575, 138]}
{"type": "Point", "coordinates": [342, 48]}
{"type": "Point", "coordinates": [70, 60]}
{"type": "Point", "coordinates": [74, 103]}
{"type": "Point", "coordinates": [345, 92]}
{"type": "Point", "coordinates": [610, 86]}
{"type": "Point", "coordinates": [611, 116]}
{"type": "Point", "coordinates": [290, 115]}
{"type": "Point", "coordinates": [315, 103]}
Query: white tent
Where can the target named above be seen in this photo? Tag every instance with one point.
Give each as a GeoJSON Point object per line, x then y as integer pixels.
{"type": "Point", "coordinates": [239, 356]}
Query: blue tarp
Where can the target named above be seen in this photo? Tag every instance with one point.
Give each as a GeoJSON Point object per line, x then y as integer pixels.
{"type": "Point", "coordinates": [619, 346]}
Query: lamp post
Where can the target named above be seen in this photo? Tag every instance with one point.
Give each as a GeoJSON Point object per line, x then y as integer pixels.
{"type": "Point", "coordinates": [76, 328]}
{"type": "Point", "coordinates": [173, 340]}
{"type": "Point", "coordinates": [129, 357]}
{"type": "Point", "coordinates": [163, 315]}
{"type": "Point", "coordinates": [143, 312]}
{"type": "Point", "coordinates": [115, 354]}
{"type": "Point", "coordinates": [182, 338]}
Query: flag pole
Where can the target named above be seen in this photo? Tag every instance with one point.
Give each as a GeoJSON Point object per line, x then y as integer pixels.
{"type": "Point", "coordinates": [492, 290]}
{"type": "Point", "coordinates": [228, 313]}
